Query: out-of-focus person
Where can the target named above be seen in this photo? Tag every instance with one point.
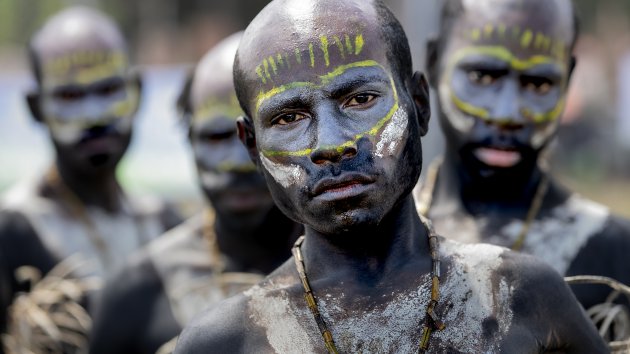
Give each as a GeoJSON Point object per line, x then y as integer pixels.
{"type": "Point", "coordinates": [240, 236]}
{"type": "Point", "coordinates": [86, 95]}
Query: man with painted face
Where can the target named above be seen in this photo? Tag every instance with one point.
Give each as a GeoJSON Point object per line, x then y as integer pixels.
{"type": "Point", "coordinates": [86, 96]}
{"type": "Point", "coordinates": [334, 117]}
{"type": "Point", "coordinates": [221, 252]}
{"type": "Point", "coordinates": [502, 70]}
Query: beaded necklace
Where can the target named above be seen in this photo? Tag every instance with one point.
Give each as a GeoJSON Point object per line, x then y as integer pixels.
{"type": "Point", "coordinates": [431, 322]}
{"type": "Point", "coordinates": [425, 198]}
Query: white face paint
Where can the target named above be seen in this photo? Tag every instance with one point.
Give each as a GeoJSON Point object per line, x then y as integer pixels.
{"type": "Point", "coordinates": [460, 121]}
{"type": "Point", "coordinates": [286, 175]}
{"type": "Point", "coordinates": [393, 134]}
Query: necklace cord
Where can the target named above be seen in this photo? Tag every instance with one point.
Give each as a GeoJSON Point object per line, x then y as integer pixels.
{"type": "Point", "coordinates": [431, 322]}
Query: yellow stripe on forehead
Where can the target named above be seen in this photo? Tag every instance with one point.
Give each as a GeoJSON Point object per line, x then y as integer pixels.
{"type": "Point", "coordinates": [505, 55]}
{"type": "Point", "coordinates": [325, 79]}
{"type": "Point", "coordinates": [317, 53]}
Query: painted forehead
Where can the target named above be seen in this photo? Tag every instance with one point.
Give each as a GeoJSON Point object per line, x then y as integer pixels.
{"type": "Point", "coordinates": [544, 27]}
{"type": "Point", "coordinates": [305, 47]}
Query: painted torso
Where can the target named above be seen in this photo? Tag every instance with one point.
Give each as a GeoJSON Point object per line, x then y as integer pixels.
{"type": "Point", "coordinates": [556, 236]}
{"type": "Point", "coordinates": [475, 306]}
{"type": "Point", "coordinates": [64, 236]}
{"type": "Point", "coordinates": [184, 261]}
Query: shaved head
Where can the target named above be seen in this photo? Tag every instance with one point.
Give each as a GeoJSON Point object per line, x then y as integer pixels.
{"type": "Point", "coordinates": [289, 35]}
{"type": "Point", "coordinates": [74, 30]}
{"type": "Point", "coordinates": [518, 12]}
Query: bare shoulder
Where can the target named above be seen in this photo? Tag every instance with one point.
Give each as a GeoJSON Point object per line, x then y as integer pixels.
{"type": "Point", "coordinates": [530, 301]}
{"type": "Point", "coordinates": [233, 325]}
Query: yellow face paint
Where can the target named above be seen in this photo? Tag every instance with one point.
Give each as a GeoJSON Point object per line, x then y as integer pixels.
{"type": "Point", "coordinates": [84, 67]}
{"type": "Point", "coordinates": [324, 80]}
{"type": "Point", "coordinates": [515, 63]}
{"type": "Point", "coordinates": [214, 107]}
{"type": "Point", "coordinates": [319, 54]}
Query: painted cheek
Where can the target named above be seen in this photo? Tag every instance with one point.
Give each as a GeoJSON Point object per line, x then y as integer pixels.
{"type": "Point", "coordinates": [286, 174]}
{"type": "Point", "coordinates": [392, 136]}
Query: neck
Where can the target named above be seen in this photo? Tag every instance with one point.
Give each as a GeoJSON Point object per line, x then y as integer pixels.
{"type": "Point", "coordinates": [459, 188]}
{"type": "Point", "coordinates": [260, 247]}
{"type": "Point", "coordinates": [99, 190]}
{"type": "Point", "coordinates": [371, 253]}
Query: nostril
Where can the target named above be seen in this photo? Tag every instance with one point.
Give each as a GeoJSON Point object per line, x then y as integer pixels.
{"type": "Point", "coordinates": [348, 152]}
{"type": "Point", "coordinates": [333, 154]}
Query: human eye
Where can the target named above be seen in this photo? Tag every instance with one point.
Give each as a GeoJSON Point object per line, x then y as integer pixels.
{"type": "Point", "coordinates": [485, 77]}
{"type": "Point", "coordinates": [361, 100]}
{"type": "Point", "coordinates": [537, 84]}
{"type": "Point", "coordinates": [288, 118]}
{"type": "Point", "coordinates": [69, 94]}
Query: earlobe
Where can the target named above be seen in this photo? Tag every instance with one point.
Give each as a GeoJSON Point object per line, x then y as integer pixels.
{"type": "Point", "coordinates": [420, 93]}
{"type": "Point", "coordinates": [32, 101]}
{"type": "Point", "coordinates": [246, 134]}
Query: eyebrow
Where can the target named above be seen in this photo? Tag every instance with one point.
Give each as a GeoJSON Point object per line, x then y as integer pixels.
{"type": "Point", "coordinates": [504, 54]}
{"type": "Point", "coordinates": [325, 79]}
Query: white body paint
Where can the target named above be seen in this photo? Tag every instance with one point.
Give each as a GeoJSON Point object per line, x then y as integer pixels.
{"type": "Point", "coordinates": [395, 326]}
{"type": "Point", "coordinates": [557, 238]}
{"type": "Point", "coordinates": [459, 120]}
{"type": "Point", "coordinates": [64, 236]}
{"type": "Point", "coordinates": [183, 260]}
{"type": "Point", "coordinates": [287, 175]}
{"type": "Point", "coordinates": [393, 134]}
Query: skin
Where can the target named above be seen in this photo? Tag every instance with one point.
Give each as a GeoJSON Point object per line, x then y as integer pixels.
{"type": "Point", "coordinates": [253, 236]}
{"type": "Point", "coordinates": [365, 249]}
{"type": "Point", "coordinates": [86, 96]}
{"type": "Point", "coordinates": [502, 71]}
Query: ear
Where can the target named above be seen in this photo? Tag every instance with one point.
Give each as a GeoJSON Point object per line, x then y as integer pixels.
{"type": "Point", "coordinates": [246, 134]}
{"type": "Point", "coordinates": [32, 101]}
{"type": "Point", "coordinates": [572, 65]}
{"type": "Point", "coordinates": [432, 61]}
{"type": "Point", "coordinates": [419, 89]}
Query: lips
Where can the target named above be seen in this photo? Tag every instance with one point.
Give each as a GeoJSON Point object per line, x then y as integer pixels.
{"type": "Point", "coordinates": [498, 157]}
{"type": "Point", "coordinates": [345, 186]}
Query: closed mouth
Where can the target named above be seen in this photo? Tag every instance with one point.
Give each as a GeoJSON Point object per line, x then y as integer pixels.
{"type": "Point", "coordinates": [345, 186]}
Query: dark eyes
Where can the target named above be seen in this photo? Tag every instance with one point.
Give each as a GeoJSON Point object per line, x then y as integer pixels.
{"type": "Point", "coordinates": [485, 77]}
{"type": "Point", "coordinates": [359, 101]}
{"type": "Point", "coordinates": [536, 84]}
{"type": "Point", "coordinates": [70, 94]}
{"type": "Point", "coordinates": [362, 100]}
{"type": "Point", "coordinates": [109, 88]}
{"type": "Point", "coordinates": [287, 118]}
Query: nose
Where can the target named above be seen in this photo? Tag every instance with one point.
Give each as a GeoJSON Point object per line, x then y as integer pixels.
{"type": "Point", "coordinates": [334, 141]}
{"type": "Point", "coordinates": [507, 113]}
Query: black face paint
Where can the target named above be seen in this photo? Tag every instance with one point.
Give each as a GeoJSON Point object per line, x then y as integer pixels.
{"type": "Point", "coordinates": [502, 86]}
{"type": "Point", "coordinates": [228, 177]}
{"type": "Point", "coordinates": [334, 124]}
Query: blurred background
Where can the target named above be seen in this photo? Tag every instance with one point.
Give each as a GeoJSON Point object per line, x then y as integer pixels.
{"type": "Point", "coordinates": [592, 154]}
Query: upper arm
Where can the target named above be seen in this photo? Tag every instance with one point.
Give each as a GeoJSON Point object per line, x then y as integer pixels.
{"type": "Point", "coordinates": [544, 303]}
{"type": "Point", "coordinates": [123, 308]}
{"type": "Point", "coordinates": [220, 329]}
